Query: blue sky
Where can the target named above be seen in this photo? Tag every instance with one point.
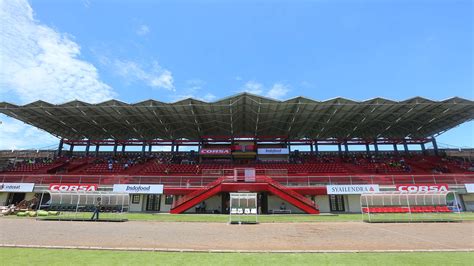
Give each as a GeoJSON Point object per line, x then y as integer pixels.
{"type": "Point", "coordinates": [169, 50]}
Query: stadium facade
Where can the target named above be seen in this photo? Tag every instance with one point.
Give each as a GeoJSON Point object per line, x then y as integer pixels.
{"type": "Point", "coordinates": [242, 143]}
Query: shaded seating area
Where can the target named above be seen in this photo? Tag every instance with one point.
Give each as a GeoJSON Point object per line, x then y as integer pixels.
{"type": "Point", "coordinates": [402, 206]}
{"type": "Point", "coordinates": [80, 205]}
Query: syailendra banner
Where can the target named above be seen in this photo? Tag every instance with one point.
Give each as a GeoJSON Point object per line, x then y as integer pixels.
{"type": "Point", "coordinates": [351, 189]}
{"type": "Point", "coordinates": [139, 188]}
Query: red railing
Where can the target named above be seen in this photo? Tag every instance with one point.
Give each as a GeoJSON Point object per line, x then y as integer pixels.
{"type": "Point", "coordinates": [198, 192]}
{"type": "Point", "coordinates": [201, 181]}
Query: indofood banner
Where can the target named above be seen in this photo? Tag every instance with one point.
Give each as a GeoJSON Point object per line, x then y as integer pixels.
{"type": "Point", "coordinates": [273, 151]}
{"type": "Point", "coordinates": [469, 188]}
{"type": "Point", "coordinates": [139, 189]}
{"type": "Point", "coordinates": [17, 187]}
{"type": "Point", "coordinates": [351, 189]}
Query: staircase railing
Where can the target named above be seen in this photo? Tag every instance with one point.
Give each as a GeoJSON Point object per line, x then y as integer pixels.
{"type": "Point", "coordinates": [290, 192]}
{"type": "Point", "coordinates": [198, 192]}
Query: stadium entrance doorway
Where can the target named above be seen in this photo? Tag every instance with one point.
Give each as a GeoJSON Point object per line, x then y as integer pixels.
{"type": "Point", "coordinates": [262, 203]}
{"type": "Point", "coordinates": [15, 198]}
{"type": "Point", "coordinates": [336, 203]}
{"type": "Point", "coordinates": [153, 202]}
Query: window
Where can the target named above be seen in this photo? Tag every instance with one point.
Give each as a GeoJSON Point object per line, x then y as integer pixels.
{"type": "Point", "coordinates": [135, 198]}
{"type": "Point", "coordinates": [169, 199]}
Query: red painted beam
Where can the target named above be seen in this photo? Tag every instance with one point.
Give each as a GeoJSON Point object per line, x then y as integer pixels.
{"type": "Point", "coordinates": [311, 191]}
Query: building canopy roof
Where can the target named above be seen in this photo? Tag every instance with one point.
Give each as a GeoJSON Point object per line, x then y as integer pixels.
{"type": "Point", "coordinates": [246, 114]}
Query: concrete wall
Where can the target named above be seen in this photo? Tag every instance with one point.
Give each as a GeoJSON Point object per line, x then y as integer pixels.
{"type": "Point", "coordinates": [274, 203]}
{"type": "Point", "coordinates": [323, 203]}
{"type": "Point", "coordinates": [468, 200]}
{"type": "Point", "coordinates": [164, 207]}
{"type": "Point", "coordinates": [352, 203]}
{"type": "Point", "coordinates": [137, 207]}
{"type": "Point", "coordinates": [30, 195]}
{"type": "Point", "coordinates": [212, 203]}
{"type": "Point", "coordinates": [3, 198]}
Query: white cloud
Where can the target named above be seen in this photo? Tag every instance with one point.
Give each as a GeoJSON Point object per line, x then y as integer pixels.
{"type": "Point", "coordinates": [143, 30]}
{"type": "Point", "coordinates": [194, 89]}
{"type": "Point", "coordinates": [155, 77]}
{"type": "Point", "coordinates": [253, 87]}
{"type": "Point", "coordinates": [40, 63]}
{"type": "Point", "coordinates": [37, 62]}
{"type": "Point", "coordinates": [17, 135]}
{"type": "Point", "coordinates": [277, 91]}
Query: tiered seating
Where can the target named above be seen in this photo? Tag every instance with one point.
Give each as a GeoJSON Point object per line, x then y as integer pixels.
{"type": "Point", "coordinates": [30, 167]}
{"type": "Point", "coordinates": [414, 209]}
{"type": "Point", "coordinates": [157, 168]}
{"type": "Point", "coordinates": [383, 168]}
{"type": "Point", "coordinates": [101, 168]}
{"type": "Point", "coordinates": [167, 164]}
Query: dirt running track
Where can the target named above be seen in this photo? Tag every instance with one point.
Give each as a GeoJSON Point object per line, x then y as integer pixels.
{"type": "Point", "coordinates": [220, 236]}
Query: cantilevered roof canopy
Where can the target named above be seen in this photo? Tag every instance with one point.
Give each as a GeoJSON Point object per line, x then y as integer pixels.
{"type": "Point", "coordinates": [246, 114]}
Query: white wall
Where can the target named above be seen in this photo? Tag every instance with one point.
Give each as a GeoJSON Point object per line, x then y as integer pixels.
{"type": "Point", "coordinates": [323, 203]}
{"type": "Point", "coordinates": [274, 203]}
{"type": "Point", "coordinates": [352, 203]}
{"type": "Point", "coordinates": [3, 198]}
{"type": "Point", "coordinates": [165, 207]}
{"type": "Point", "coordinates": [29, 195]}
{"type": "Point", "coordinates": [468, 200]}
{"type": "Point", "coordinates": [137, 207]}
{"type": "Point", "coordinates": [212, 203]}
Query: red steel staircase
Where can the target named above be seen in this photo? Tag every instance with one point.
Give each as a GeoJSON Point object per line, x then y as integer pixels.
{"type": "Point", "coordinates": [262, 183]}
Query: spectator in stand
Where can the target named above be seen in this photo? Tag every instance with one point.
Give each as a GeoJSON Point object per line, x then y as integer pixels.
{"type": "Point", "coordinates": [111, 166]}
{"type": "Point", "coordinates": [282, 206]}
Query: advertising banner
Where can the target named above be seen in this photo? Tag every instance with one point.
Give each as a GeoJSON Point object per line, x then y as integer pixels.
{"type": "Point", "coordinates": [351, 189]}
{"type": "Point", "coordinates": [469, 188]}
{"type": "Point", "coordinates": [139, 189]}
{"type": "Point", "coordinates": [17, 187]}
{"type": "Point", "coordinates": [215, 152]}
{"type": "Point", "coordinates": [73, 187]}
{"type": "Point", "coordinates": [280, 151]}
{"type": "Point", "coordinates": [422, 187]}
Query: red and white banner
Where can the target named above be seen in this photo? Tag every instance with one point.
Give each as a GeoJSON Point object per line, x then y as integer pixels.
{"type": "Point", "coordinates": [422, 187]}
{"type": "Point", "coordinates": [73, 187]}
{"type": "Point", "coordinates": [215, 152]}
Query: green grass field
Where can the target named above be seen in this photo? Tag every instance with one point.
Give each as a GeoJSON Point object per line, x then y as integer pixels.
{"type": "Point", "coordinates": [26, 256]}
{"type": "Point", "coordinates": [287, 218]}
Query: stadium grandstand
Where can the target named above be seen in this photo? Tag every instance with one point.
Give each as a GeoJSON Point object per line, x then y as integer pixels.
{"type": "Point", "coordinates": [202, 151]}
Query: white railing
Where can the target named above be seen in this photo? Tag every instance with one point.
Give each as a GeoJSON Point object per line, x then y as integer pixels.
{"type": "Point", "coordinates": [200, 181]}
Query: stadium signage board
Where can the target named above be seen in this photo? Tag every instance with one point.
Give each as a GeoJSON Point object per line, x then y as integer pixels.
{"type": "Point", "coordinates": [351, 189]}
{"type": "Point", "coordinates": [73, 187]}
{"type": "Point", "coordinates": [17, 187]}
{"type": "Point", "coordinates": [469, 188]}
{"type": "Point", "coordinates": [273, 151]}
{"type": "Point", "coordinates": [139, 188]}
{"type": "Point", "coordinates": [422, 187]}
{"type": "Point", "coordinates": [215, 152]}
